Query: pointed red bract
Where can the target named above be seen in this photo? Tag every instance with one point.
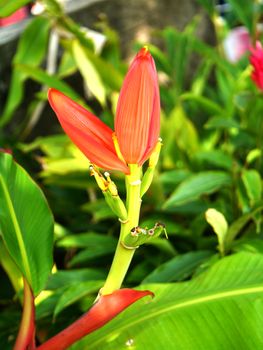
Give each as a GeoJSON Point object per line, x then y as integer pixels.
{"type": "Point", "coordinates": [256, 60]}
{"type": "Point", "coordinates": [89, 133]}
{"type": "Point", "coordinates": [104, 310]}
{"type": "Point", "coordinates": [137, 122]}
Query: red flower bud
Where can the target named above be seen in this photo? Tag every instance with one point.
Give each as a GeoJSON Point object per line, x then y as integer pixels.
{"type": "Point", "coordinates": [137, 122]}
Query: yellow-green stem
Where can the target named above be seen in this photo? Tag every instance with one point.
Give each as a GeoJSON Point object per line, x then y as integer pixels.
{"type": "Point", "coordinates": [123, 256]}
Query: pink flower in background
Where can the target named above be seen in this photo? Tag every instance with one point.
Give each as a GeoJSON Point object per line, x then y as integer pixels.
{"type": "Point", "coordinates": [256, 60]}
{"type": "Point", "coordinates": [236, 44]}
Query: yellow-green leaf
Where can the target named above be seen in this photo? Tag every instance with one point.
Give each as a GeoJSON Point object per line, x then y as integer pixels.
{"type": "Point", "coordinates": [89, 72]}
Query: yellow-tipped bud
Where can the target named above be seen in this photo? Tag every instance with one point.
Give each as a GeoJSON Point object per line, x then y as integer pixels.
{"type": "Point", "coordinates": [110, 193]}
{"type": "Point", "coordinates": [153, 160]}
{"type": "Point", "coordinates": [111, 185]}
{"type": "Point", "coordinates": [101, 181]}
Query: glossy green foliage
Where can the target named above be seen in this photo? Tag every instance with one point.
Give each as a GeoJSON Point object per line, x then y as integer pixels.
{"type": "Point", "coordinates": [197, 185]}
{"type": "Point", "coordinates": [75, 293]}
{"type": "Point", "coordinates": [31, 51]}
{"type": "Point", "coordinates": [26, 223]}
{"type": "Point", "coordinates": [199, 314]}
{"type": "Point", "coordinates": [95, 246]}
{"type": "Point", "coordinates": [207, 189]}
{"type": "Point", "coordinates": [245, 12]}
{"type": "Point", "coordinates": [178, 268]}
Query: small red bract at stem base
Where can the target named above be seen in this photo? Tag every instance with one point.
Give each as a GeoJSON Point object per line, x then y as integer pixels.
{"type": "Point", "coordinates": [104, 310]}
{"type": "Point", "coordinates": [26, 336]}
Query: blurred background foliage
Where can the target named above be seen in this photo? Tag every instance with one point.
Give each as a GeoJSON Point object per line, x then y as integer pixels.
{"type": "Point", "coordinates": [211, 157]}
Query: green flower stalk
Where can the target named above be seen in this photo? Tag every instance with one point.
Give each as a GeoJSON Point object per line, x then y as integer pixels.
{"type": "Point", "coordinates": [134, 141]}
{"type": "Point", "coordinates": [123, 256]}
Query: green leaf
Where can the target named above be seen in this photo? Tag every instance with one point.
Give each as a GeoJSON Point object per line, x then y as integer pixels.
{"type": "Point", "coordinates": [197, 185]}
{"type": "Point", "coordinates": [64, 166]}
{"type": "Point", "coordinates": [209, 5]}
{"type": "Point", "coordinates": [252, 182]}
{"type": "Point", "coordinates": [208, 52]}
{"type": "Point", "coordinates": [89, 72]}
{"type": "Point", "coordinates": [221, 308]}
{"type": "Point", "coordinates": [7, 7]}
{"type": "Point", "coordinates": [244, 11]}
{"type": "Point", "coordinates": [73, 180]}
{"type": "Point", "coordinates": [178, 268]}
{"type": "Point", "coordinates": [220, 226]}
{"type": "Point", "coordinates": [31, 50]}
{"type": "Point", "coordinates": [108, 73]}
{"type": "Point", "coordinates": [10, 268]}
{"type": "Point", "coordinates": [55, 146]}
{"type": "Point", "coordinates": [97, 246]}
{"type": "Point", "coordinates": [66, 278]}
{"type": "Point", "coordinates": [161, 59]}
{"type": "Point", "coordinates": [243, 99]}
{"type": "Point", "coordinates": [50, 80]}
{"type": "Point", "coordinates": [26, 223]}
{"type": "Point", "coordinates": [163, 245]}
{"type": "Point", "coordinates": [84, 240]}
{"type": "Point", "coordinates": [201, 78]}
{"type": "Point", "coordinates": [178, 129]}
{"type": "Point", "coordinates": [45, 307]}
{"type": "Point", "coordinates": [33, 43]}
{"type": "Point", "coordinates": [75, 293]}
{"type": "Point", "coordinates": [178, 51]}
{"type": "Point", "coordinates": [99, 209]}
{"type": "Point", "coordinates": [184, 130]}
{"type": "Point", "coordinates": [217, 221]}
{"type": "Point", "coordinates": [15, 96]}
{"type": "Point", "coordinates": [253, 155]}
{"type": "Point", "coordinates": [249, 245]}
{"type": "Point", "coordinates": [215, 157]}
{"type": "Point", "coordinates": [94, 252]}
{"type": "Point", "coordinates": [67, 65]}
{"type": "Point", "coordinates": [236, 227]}
{"type": "Point", "coordinates": [222, 123]}
{"type": "Point", "coordinates": [171, 178]}
{"type": "Point", "coordinates": [204, 102]}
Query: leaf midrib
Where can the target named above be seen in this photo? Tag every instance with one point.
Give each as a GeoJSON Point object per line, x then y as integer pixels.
{"type": "Point", "coordinates": [194, 300]}
{"type": "Point", "coordinates": [17, 229]}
